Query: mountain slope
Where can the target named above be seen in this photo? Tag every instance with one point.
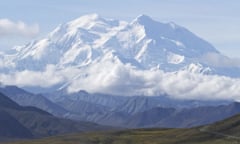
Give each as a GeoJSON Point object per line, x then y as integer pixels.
{"type": "Point", "coordinates": [229, 126]}
{"type": "Point", "coordinates": [11, 128]}
{"type": "Point", "coordinates": [175, 118]}
{"type": "Point", "coordinates": [25, 98]}
{"type": "Point", "coordinates": [140, 111]}
{"type": "Point", "coordinates": [223, 132]}
{"type": "Point", "coordinates": [30, 122]}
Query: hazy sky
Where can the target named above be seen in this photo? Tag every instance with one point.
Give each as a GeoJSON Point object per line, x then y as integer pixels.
{"type": "Point", "coordinates": [217, 21]}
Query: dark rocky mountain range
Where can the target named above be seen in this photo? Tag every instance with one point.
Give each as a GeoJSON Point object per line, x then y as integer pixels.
{"type": "Point", "coordinates": [18, 122]}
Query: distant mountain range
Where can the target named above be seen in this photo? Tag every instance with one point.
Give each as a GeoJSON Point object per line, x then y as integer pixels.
{"type": "Point", "coordinates": [18, 122]}
{"type": "Point", "coordinates": [123, 111]}
{"type": "Point", "coordinates": [137, 111]}
{"type": "Point", "coordinates": [25, 98]}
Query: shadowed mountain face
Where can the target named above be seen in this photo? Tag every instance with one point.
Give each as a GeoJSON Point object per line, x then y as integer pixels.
{"type": "Point", "coordinates": [131, 112]}
{"type": "Point", "coordinates": [173, 118]}
{"type": "Point", "coordinates": [10, 128]}
{"type": "Point", "coordinates": [25, 98]}
{"type": "Point", "coordinates": [140, 111]}
{"type": "Point", "coordinates": [17, 122]}
{"type": "Point", "coordinates": [120, 111]}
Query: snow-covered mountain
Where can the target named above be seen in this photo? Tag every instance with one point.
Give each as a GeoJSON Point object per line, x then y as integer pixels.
{"type": "Point", "coordinates": [144, 43]}
{"type": "Point", "coordinates": [116, 57]}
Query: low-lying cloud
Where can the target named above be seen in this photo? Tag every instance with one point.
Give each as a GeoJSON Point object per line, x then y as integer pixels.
{"type": "Point", "coordinates": [118, 79]}
{"type": "Point", "coordinates": [17, 29]}
{"type": "Point", "coordinates": [125, 80]}
{"type": "Point", "coordinates": [47, 78]}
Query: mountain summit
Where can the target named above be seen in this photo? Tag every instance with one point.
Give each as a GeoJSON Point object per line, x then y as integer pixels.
{"type": "Point", "coordinates": [143, 41]}
{"type": "Point", "coordinates": [104, 55]}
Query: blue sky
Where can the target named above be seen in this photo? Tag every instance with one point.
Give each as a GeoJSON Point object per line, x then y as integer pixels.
{"type": "Point", "coordinates": [217, 21]}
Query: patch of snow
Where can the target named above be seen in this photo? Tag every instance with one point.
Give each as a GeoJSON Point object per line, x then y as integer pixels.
{"type": "Point", "coordinates": [174, 58]}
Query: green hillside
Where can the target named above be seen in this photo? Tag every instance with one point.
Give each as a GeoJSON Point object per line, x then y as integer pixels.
{"type": "Point", "coordinates": [224, 132]}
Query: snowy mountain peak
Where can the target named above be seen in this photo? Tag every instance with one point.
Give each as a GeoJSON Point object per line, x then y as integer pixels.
{"type": "Point", "coordinates": [149, 22]}
{"type": "Point", "coordinates": [93, 16]}
{"type": "Point", "coordinates": [92, 21]}
{"type": "Point", "coordinates": [109, 54]}
{"type": "Point", "coordinates": [144, 42]}
{"type": "Point", "coordinates": [142, 19]}
{"type": "Point", "coordinates": [173, 25]}
{"type": "Point", "coordinates": [85, 21]}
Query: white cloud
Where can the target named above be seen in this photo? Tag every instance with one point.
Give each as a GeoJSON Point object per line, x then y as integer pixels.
{"type": "Point", "coordinates": [125, 80]}
{"type": "Point", "coordinates": [118, 79]}
{"type": "Point", "coordinates": [217, 60]}
{"type": "Point", "coordinates": [47, 78]}
{"type": "Point", "coordinates": [10, 28]}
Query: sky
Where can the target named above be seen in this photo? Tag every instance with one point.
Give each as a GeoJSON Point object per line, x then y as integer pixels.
{"type": "Point", "coordinates": [217, 21]}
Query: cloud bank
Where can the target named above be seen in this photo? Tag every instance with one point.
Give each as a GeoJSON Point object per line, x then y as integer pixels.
{"type": "Point", "coordinates": [17, 29]}
{"type": "Point", "coordinates": [119, 79]}
{"type": "Point", "coordinates": [125, 80]}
